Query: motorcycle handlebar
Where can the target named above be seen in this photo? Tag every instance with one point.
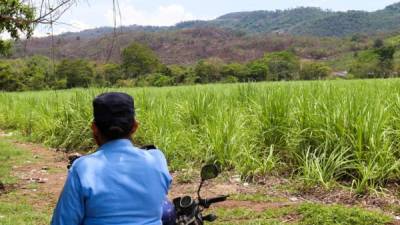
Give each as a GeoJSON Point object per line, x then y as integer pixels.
{"type": "Point", "coordinates": [207, 202]}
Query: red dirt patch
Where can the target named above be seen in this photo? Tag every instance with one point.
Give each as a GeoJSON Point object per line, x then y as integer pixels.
{"type": "Point", "coordinates": [42, 178]}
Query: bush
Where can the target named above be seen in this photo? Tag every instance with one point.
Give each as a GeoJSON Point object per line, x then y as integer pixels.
{"type": "Point", "coordinates": [257, 71]}
{"type": "Point", "coordinates": [365, 65]}
{"type": "Point", "coordinates": [282, 66]}
{"type": "Point", "coordinates": [77, 73]}
{"type": "Point", "coordinates": [314, 71]}
{"type": "Point", "coordinates": [209, 70]}
{"type": "Point", "coordinates": [10, 79]}
{"type": "Point", "coordinates": [138, 60]}
{"type": "Point", "coordinates": [111, 73]}
{"type": "Point", "coordinates": [155, 79]}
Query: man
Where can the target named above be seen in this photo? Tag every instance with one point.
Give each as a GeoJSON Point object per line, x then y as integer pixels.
{"type": "Point", "coordinates": [119, 184]}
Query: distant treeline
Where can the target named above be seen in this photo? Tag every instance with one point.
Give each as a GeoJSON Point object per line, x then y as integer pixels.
{"type": "Point", "coordinates": [141, 67]}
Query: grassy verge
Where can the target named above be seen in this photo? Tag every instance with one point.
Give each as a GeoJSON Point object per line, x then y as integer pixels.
{"type": "Point", "coordinates": [304, 214]}
{"type": "Point", "coordinates": [16, 209]}
{"type": "Point", "coordinates": [9, 156]}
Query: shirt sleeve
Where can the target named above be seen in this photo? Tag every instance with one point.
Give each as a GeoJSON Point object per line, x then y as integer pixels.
{"type": "Point", "coordinates": [70, 207]}
{"type": "Point", "coordinates": [163, 167]}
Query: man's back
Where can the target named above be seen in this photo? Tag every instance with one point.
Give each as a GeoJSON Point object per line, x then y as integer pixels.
{"type": "Point", "coordinates": [117, 185]}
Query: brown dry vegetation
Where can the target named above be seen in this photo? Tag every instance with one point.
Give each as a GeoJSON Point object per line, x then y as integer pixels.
{"type": "Point", "coordinates": [188, 46]}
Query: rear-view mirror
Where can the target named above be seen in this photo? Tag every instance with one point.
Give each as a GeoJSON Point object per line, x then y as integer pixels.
{"type": "Point", "coordinates": [210, 171]}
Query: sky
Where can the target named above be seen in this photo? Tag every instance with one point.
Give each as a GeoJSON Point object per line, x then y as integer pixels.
{"type": "Point", "coordinates": [88, 14]}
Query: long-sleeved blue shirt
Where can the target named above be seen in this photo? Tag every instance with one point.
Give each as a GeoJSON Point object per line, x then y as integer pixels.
{"type": "Point", "coordinates": [117, 185]}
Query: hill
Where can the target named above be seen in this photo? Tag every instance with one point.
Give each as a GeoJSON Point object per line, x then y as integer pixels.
{"type": "Point", "coordinates": [242, 36]}
{"type": "Point", "coordinates": [308, 21]}
{"type": "Point", "coordinates": [185, 46]}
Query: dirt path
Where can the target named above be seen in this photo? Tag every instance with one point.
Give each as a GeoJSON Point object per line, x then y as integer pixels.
{"type": "Point", "coordinates": [41, 180]}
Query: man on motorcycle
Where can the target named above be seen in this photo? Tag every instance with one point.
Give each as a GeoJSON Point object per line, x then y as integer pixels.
{"type": "Point", "coordinates": [119, 184]}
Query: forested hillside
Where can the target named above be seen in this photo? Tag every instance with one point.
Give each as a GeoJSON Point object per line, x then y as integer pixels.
{"type": "Point", "coordinates": [312, 21]}
{"type": "Point", "coordinates": [187, 46]}
{"type": "Point", "coordinates": [298, 21]}
{"type": "Point", "coordinates": [311, 32]}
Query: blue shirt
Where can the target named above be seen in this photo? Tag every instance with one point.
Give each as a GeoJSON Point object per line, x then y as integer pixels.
{"type": "Point", "coordinates": [117, 185]}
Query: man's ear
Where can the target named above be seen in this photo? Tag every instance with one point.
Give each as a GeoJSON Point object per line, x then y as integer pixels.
{"type": "Point", "coordinates": [95, 130]}
{"type": "Point", "coordinates": [135, 126]}
{"type": "Point", "coordinates": [96, 133]}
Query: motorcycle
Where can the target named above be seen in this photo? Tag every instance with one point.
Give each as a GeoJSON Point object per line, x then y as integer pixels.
{"type": "Point", "coordinates": [188, 211]}
{"type": "Point", "coordinates": [185, 210]}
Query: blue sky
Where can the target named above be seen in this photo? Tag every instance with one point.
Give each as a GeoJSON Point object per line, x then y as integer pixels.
{"type": "Point", "coordinates": [95, 13]}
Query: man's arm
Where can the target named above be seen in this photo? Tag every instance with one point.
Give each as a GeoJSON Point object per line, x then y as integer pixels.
{"type": "Point", "coordinates": [70, 209]}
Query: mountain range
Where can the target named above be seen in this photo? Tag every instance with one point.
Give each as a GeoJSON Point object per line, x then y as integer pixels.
{"type": "Point", "coordinates": [236, 36]}
{"type": "Point", "coordinates": [308, 21]}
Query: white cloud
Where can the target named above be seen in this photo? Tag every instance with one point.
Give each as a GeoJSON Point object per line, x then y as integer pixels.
{"type": "Point", "coordinates": [163, 16]}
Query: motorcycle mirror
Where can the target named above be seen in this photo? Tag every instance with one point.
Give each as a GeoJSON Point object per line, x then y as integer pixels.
{"type": "Point", "coordinates": [209, 172]}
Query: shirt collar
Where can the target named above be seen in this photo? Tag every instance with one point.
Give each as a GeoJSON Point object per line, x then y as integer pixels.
{"type": "Point", "coordinates": [117, 143]}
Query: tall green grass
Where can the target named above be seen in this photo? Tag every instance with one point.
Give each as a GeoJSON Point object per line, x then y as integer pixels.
{"type": "Point", "coordinates": [323, 131]}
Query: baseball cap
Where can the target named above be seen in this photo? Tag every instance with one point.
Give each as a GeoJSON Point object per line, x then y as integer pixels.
{"type": "Point", "coordinates": [114, 110]}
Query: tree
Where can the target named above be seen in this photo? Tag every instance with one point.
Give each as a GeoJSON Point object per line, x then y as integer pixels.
{"type": "Point", "coordinates": [19, 16]}
{"type": "Point", "coordinates": [314, 71]}
{"type": "Point", "coordinates": [10, 80]}
{"type": "Point", "coordinates": [112, 73]}
{"type": "Point", "coordinates": [209, 70]}
{"type": "Point", "coordinates": [234, 70]}
{"type": "Point", "coordinates": [182, 74]}
{"type": "Point", "coordinates": [378, 43]}
{"type": "Point", "coordinates": [138, 60]}
{"type": "Point", "coordinates": [257, 71]}
{"type": "Point", "coordinates": [38, 73]}
{"type": "Point", "coordinates": [74, 73]}
{"type": "Point", "coordinates": [366, 65]}
{"type": "Point", "coordinates": [282, 65]}
{"type": "Point", "coordinates": [386, 59]}
{"type": "Point", "coordinates": [14, 17]}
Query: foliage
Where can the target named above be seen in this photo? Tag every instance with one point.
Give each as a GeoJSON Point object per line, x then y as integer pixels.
{"type": "Point", "coordinates": [15, 17]}
{"type": "Point", "coordinates": [378, 43]}
{"type": "Point", "coordinates": [38, 73]}
{"type": "Point", "coordinates": [235, 72]}
{"type": "Point", "coordinates": [282, 66]}
{"type": "Point", "coordinates": [138, 60]}
{"type": "Point", "coordinates": [314, 71]}
{"type": "Point", "coordinates": [257, 71]}
{"type": "Point", "coordinates": [9, 78]}
{"type": "Point", "coordinates": [323, 131]}
{"type": "Point", "coordinates": [307, 21]}
{"type": "Point", "coordinates": [208, 71]}
{"type": "Point", "coordinates": [76, 73]}
{"type": "Point", "coordinates": [154, 79]}
{"type": "Point", "coordinates": [112, 73]}
{"type": "Point", "coordinates": [378, 62]}
{"type": "Point", "coordinates": [365, 65]}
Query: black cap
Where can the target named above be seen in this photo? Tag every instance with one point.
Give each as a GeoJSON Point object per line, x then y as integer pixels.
{"type": "Point", "coordinates": [114, 109]}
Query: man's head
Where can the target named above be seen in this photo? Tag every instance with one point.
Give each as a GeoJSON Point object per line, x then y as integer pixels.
{"type": "Point", "coordinates": [114, 117]}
